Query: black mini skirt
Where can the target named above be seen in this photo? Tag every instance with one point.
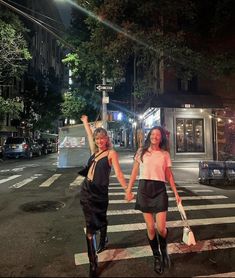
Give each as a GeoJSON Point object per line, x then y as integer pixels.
{"type": "Point", "coordinates": [151, 196]}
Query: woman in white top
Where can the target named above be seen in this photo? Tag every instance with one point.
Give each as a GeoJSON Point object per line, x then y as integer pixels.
{"type": "Point", "coordinates": [152, 162]}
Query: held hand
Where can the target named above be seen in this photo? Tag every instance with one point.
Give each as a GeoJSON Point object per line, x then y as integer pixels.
{"type": "Point", "coordinates": [84, 118]}
{"type": "Point", "coordinates": [129, 196]}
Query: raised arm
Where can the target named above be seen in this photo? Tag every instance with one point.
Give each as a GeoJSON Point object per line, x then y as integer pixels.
{"type": "Point", "coordinates": [88, 130]}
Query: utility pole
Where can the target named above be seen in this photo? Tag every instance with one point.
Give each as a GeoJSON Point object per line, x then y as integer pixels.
{"type": "Point", "coordinates": [104, 101]}
{"type": "Point", "coordinates": [104, 88]}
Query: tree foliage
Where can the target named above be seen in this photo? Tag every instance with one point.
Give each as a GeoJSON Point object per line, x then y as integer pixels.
{"type": "Point", "coordinates": [14, 53]}
{"type": "Point", "coordinates": [76, 104]}
{"type": "Point", "coordinates": [178, 34]}
{"type": "Point", "coordinates": [10, 106]}
{"type": "Point", "coordinates": [42, 100]}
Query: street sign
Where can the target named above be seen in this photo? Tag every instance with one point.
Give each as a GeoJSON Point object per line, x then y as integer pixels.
{"type": "Point", "coordinates": [107, 88]}
{"type": "Point", "coordinates": [105, 100]}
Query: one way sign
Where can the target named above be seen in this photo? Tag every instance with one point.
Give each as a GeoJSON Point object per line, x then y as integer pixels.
{"type": "Point", "coordinates": [107, 88]}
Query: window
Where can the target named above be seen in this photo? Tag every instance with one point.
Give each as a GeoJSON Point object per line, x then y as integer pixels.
{"type": "Point", "coordinates": [189, 135]}
{"type": "Point", "coordinates": [188, 85]}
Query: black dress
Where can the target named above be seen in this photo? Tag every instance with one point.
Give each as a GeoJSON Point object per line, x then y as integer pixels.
{"type": "Point", "coordinates": [94, 196]}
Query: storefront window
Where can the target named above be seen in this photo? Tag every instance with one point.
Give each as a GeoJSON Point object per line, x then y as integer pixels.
{"type": "Point", "coordinates": [189, 135]}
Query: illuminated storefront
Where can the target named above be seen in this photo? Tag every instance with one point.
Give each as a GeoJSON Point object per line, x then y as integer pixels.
{"type": "Point", "coordinates": [189, 131]}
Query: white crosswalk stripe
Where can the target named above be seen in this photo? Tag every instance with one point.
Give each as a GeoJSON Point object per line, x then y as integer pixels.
{"type": "Point", "coordinates": [9, 178]}
{"type": "Point", "coordinates": [49, 181]}
{"type": "Point", "coordinates": [171, 224]}
{"type": "Point", "coordinates": [168, 192]}
{"type": "Point", "coordinates": [183, 198]}
{"type": "Point", "coordinates": [187, 208]}
{"type": "Point", "coordinates": [24, 182]}
{"type": "Point", "coordinates": [145, 251]}
{"type": "Point", "coordinates": [179, 186]}
{"type": "Point", "coordinates": [227, 274]}
{"type": "Point", "coordinates": [123, 193]}
{"type": "Point", "coordinates": [77, 181]}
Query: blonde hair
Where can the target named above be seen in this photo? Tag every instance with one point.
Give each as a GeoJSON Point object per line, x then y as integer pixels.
{"type": "Point", "coordinates": [102, 131]}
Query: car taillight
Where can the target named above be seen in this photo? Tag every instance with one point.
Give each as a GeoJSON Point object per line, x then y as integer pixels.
{"type": "Point", "coordinates": [25, 146]}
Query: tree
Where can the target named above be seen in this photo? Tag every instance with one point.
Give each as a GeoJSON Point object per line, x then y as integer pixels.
{"type": "Point", "coordinates": [42, 100]}
{"type": "Point", "coordinates": [76, 104]}
{"type": "Point", "coordinates": [14, 53]}
{"type": "Point", "coordinates": [151, 34]}
{"type": "Point", "coordinates": [10, 105]}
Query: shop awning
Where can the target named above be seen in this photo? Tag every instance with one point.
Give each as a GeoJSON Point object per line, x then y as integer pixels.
{"type": "Point", "coordinates": [187, 101]}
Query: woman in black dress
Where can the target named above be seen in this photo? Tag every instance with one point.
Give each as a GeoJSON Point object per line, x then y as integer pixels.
{"type": "Point", "coordinates": [94, 190]}
{"type": "Point", "coordinates": [153, 163]}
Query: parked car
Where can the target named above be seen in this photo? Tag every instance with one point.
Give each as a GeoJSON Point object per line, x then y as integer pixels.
{"type": "Point", "coordinates": [54, 144]}
{"type": "Point", "coordinates": [46, 145]}
{"type": "Point", "coordinates": [21, 147]}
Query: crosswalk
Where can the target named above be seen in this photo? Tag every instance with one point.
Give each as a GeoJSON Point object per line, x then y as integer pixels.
{"type": "Point", "coordinates": [145, 251]}
{"type": "Point", "coordinates": [206, 199]}
{"type": "Point", "coordinates": [50, 181]}
{"type": "Point", "coordinates": [197, 199]}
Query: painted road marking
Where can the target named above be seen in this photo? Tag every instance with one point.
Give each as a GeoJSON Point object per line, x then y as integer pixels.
{"type": "Point", "coordinates": [178, 186]}
{"type": "Point", "coordinates": [9, 178]}
{"type": "Point", "coordinates": [226, 274]}
{"type": "Point", "coordinates": [77, 181]}
{"type": "Point", "coordinates": [173, 199]}
{"type": "Point", "coordinates": [118, 187]}
{"type": "Point", "coordinates": [145, 251]}
{"type": "Point", "coordinates": [202, 190]}
{"type": "Point", "coordinates": [171, 224]}
{"type": "Point", "coordinates": [24, 182]}
{"type": "Point", "coordinates": [123, 193]}
{"type": "Point", "coordinates": [49, 181]}
{"type": "Point", "coordinates": [170, 209]}
{"type": "Point", "coordinates": [126, 176]}
{"type": "Point", "coordinates": [5, 171]}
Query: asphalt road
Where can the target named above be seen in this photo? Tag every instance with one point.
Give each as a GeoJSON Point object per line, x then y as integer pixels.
{"type": "Point", "coordinates": [42, 227]}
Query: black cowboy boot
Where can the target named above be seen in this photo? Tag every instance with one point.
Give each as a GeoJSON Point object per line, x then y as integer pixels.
{"type": "Point", "coordinates": [91, 248]}
{"type": "Point", "coordinates": [158, 262]}
{"type": "Point", "coordinates": [103, 239]}
{"type": "Point", "coordinates": [163, 247]}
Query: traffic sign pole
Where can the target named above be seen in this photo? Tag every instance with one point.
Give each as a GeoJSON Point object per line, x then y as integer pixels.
{"type": "Point", "coordinates": [104, 105]}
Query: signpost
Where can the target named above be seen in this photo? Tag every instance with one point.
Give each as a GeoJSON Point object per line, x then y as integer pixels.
{"type": "Point", "coordinates": [104, 88]}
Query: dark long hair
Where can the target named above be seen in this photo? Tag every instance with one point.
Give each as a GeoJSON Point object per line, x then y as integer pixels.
{"type": "Point", "coordinates": [163, 144]}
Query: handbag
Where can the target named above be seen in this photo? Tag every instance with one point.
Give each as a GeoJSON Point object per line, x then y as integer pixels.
{"type": "Point", "coordinates": [188, 236]}
{"type": "Point", "coordinates": [84, 171]}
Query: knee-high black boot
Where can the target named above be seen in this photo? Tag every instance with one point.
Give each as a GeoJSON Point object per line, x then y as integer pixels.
{"type": "Point", "coordinates": [93, 259]}
{"type": "Point", "coordinates": [158, 262]}
{"type": "Point", "coordinates": [103, 239]}
{"type": "Point", "coordinates": [163, 247]}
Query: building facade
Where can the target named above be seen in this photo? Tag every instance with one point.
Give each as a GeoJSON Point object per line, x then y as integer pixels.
{"type": "Point", "coordinates": [46, 61]}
